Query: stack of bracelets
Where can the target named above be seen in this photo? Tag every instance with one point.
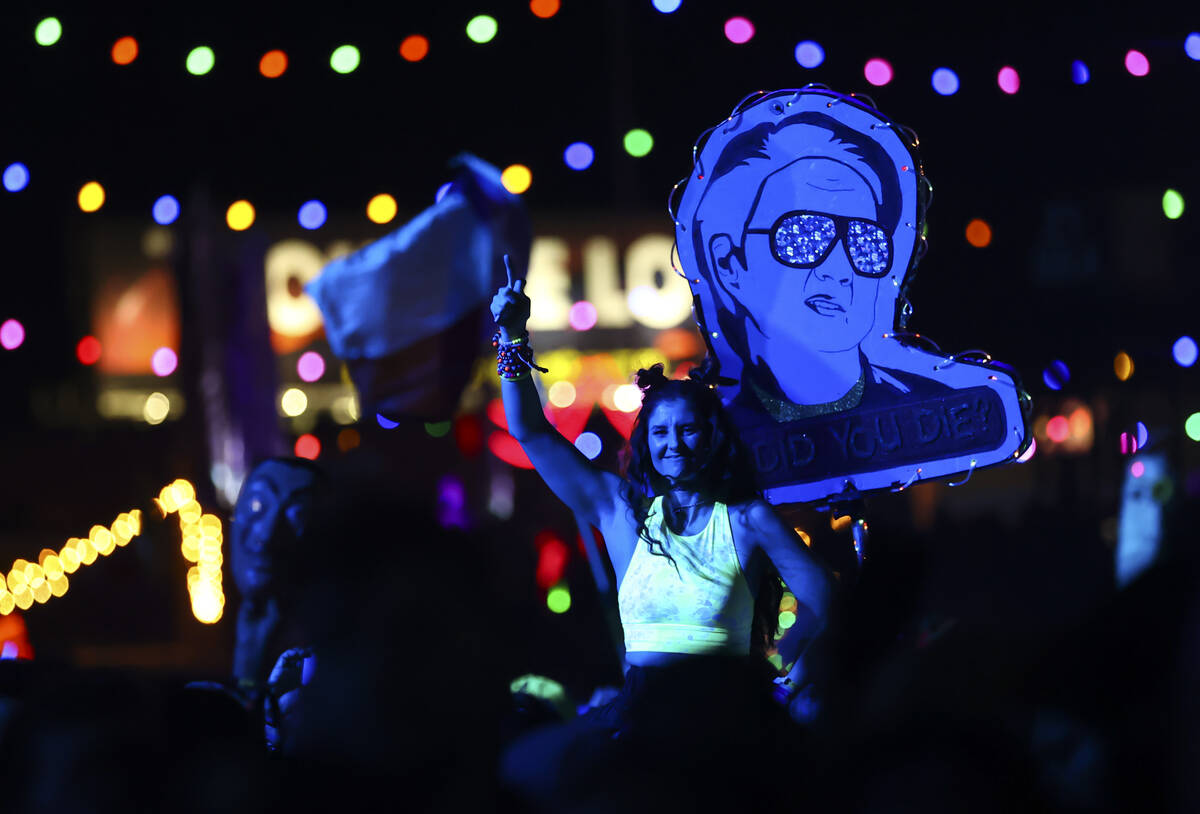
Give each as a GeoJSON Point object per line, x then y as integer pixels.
{"type": "Point", "coordinates": [514, 359]}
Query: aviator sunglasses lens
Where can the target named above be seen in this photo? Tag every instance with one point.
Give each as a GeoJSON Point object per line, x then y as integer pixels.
{"type": "Point", "coordinates": [802, 240]}
{"type": "Point", "coordinates": [869, 248]}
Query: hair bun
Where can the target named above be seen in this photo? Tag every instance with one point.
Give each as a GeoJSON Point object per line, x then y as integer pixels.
{"type": "Point", "coordinates": [651, 377]}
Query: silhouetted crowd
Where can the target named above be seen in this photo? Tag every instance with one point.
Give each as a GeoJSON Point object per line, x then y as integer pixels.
{"type": "Point", "coordinates": [388, 690]}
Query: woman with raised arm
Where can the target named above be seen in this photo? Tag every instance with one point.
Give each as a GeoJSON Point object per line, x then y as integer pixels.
{"type": "Point", "coordinates": [690, 540]}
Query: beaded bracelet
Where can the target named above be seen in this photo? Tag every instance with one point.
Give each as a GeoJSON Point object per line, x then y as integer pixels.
{"type": "Point", "coordinates": [514, 359]}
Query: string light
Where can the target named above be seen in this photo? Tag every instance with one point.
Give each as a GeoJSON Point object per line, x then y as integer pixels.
{"type": "Point", "coordinates": [16, 177]}
{"type": "Point", "coordinates": [809, 54]}
{"type": "Point", "coordinates": [739, 30]}
{"type": "Point", "coordinates": [482, 29]}
{"type": "Point", "coordinates": [1009, 80]}
{"type": "Point", "coordinates": [544, 8]}
{"type": "Point", "coordinates": [12, 334]}
{"type": "Point", "coordinates": [308, 446]}
{"type": "Point", "coordinates": [1172, 204]}
{"type": "Point", "coordinates": [310, 366]}
{"type": "Point", "coordinates": [91, 196]}
{"type": "Point", "coordinates": [312, 215]}
{"type": "Point", "coordinates": [979, 233]}
{"type": "Point", "coordinates": [516, 178]}
{"type": "Point", "coordinates": [381, 209]}
{"type": "Point", "coordinates": [589, 444]}
{"type": "Point", "coordinates": [124, 50]}
{"type": "Point", "coordinates": [88, 350]}
{"type": "Point", "coordinates": [414, 48]}
{"type": "Point", "coordinates": [165, 210]}
{"type": "Point", "coordinates": [558, 599]}
{"type": "Point", "coordinates": [1192, 426]}
{"type": "Point", "coordinates": [1123, 366]}
{"type": "Point", "coordinates": [345, 59]}
{"type": "Point", "coordinates": [1080, 73]}
{"type": "Point", "coordinates": [47, 32]}
{"type": "Point", "coordinates": [945, 81]}
{"type": "Point", "coordinates": [579, 156]}
{"type": "Point", "coordinates": [1136, 63]}
{"type": "Point", "coordinates": [878, 71]}
{"type": "Point", "coordinates": [638, 142]}
{"type": "Point", "coordinates": [1185, 351]}
{"type": "Point", "coordinates": [164, 361]}
{"type": "Point", "coordinates": [273, 64]}
{"type": "Point", "coordinates": [666, 6]}
{"type": "Point", "coordinates": [1191, 45]}
{"type": "Point", "coordinates": [240, 216]}
{"type": "Point", "coordinates": [200, 60]}
{"type": "Point", "coordinates": [293, 402]}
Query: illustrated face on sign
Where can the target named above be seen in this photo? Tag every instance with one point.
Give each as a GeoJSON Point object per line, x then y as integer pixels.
{"type": "Point", "coordinates": [268, 519]}
{"type": "Point", "coordinates": [797, 229]}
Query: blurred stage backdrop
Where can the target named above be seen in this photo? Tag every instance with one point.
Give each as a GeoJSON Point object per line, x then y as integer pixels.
{"type": "Point", "coordinates": [173, 177]}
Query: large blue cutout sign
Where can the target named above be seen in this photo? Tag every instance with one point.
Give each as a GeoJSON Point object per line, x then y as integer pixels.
{"type": "Point", "coordinates": [799, 229]}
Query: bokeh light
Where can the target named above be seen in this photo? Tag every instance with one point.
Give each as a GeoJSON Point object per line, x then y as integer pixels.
{"type": "Point", "coordinates": [579, 156]}
{"type": "Point", "coordinates": [1191, 45]}
{"type": "Point", "coordinates": [165, 210]}
{"type": "Point", "coordinates": [627, 398]}
{"type": "Point", "coordinates": [561, 394]}
{"type": "Point", "coordinates": [1009, 80]}
{"type": "Point", "coordinates": [345, 59]}
{"type": "Point", "coordinates": [200, 60]}
{"type": "Point", "coordinates": [310, 366]}
{"type": "Point", "coordinates": [381, 208]}
{"type": "Point", "coordinates": [516, 178]}
{"type": "Point", "coordinates": [1080, 73]}
{"type": "Point", "coordinates": [386, 423]}
{"type": "Point", "coordinates": [91, 196]}
{"type": "Point", "coordinates": [1143, 435]}
{"type": "Point", "coordinates": [12, 334]}
{"type": "Point", "coordinates": [1056, 375]}
{"type": "Point", "coordinates": [312, 215]}
{"type": "Point", "coordinates": [1136, 63]}
{"type": "Point", "coordinates": [809, 54]}
{"type": "Point", "coordinates": [1172, 204]}
{"type": "Point", "coordinates": [1137, 469]}
{"type": "Point", "coordinates": [293, 402]}
{"type": "Point", "coordinates": [273, 64]}
{"type": "Point", "coordinates": [1058, 429]}
{"type": "Point", "coordinates": [307, 446]}
{"type": "Point", "coordinates": [582, 316]}
{"type": "Point", "coordinates": [87, 351]}
{"type": "Point", "coordinates": [482, 29]}
{"type": "Point", "coordinates": [16, 177]}
{"type": "Point", "coordinates": [240, 216]}
{"type": "Point", "coordinates": [1192, 426]}
{"type": "Point", "coordinates": [414, 48]}
{"type": "Point", "coordinates": [979, 233]}
{"type": "Point", "coordinates": [589, 444]}
{"type": "Point", "coordinates": [559, 599]}
{"type": "Point", "coordinates": [544, 8]}
{"type": "Point", "coordinates": [666, 6]}
{"type": "Point", "coordinates": [638, 142]}
{"type": "Point", "coordinates": [348, 439]}
{"type": "Point", "coordinates": [125, 50]}
{"type": "Point", "coordinates": [1123, 366]}
{"type": "Point", "coordinates": [878, 71]}
{"type": "Point", "coordinates": [1185, 351]}
{"type": "Point", "coordinates": [48, 31]}
{"type": "Point", "coordinates": [945, 81]}
{"type": "Point", "coordinates": [739, 30]}
{"type": "Point", "coordinates": [156, 409]}
{"type": "Point", "coordinates": [164, 361]}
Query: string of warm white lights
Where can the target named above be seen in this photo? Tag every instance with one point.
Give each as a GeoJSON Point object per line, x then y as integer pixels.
{"type": "Point", "coordinates": [28, 583]}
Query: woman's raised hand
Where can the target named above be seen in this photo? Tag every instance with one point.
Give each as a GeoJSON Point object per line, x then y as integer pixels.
{"type": "Point", "coordinates": [510, 306]}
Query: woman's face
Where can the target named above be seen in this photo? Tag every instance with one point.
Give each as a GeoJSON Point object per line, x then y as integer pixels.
{"type": "Point", "coordinates": [678, 439]}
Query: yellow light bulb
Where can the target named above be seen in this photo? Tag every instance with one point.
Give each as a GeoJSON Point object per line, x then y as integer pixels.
{"type": "Point", "coordinates": [58, 586]}
{"type": "Point", "coordinates": [120, 531]}
{"type": "Point", "coordinates": [7, 603]}
{"type": "Point", "coordinates": [190, 549]}
{"type": "Point", "coordinates": [43, 554]}
{"type": "Point", "coordinates": [167, 500]}
{"type": "Point", "coordinates": [135, 521]}
{"type": "Point", "coordinates": [53, 567]}
{"type": "Point", "coordinates": [87, 552]}
{"type": "Point", "coordinates": [23, 598]}
{"type": "Point", "coordinates": [41, 592]}
{"type": "Point", "coordinates": [183, 492]}
{"type": "Point", "coordinates": [70, 557]}
{"type": "Point", "coordinates": [15, 580]}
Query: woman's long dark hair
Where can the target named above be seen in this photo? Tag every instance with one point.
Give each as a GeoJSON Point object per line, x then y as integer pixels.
{"type": "Point", "coordinates": [725, 474]}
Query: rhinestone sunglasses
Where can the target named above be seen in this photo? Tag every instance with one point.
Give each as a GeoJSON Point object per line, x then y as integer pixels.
{"type": "Point", "coordinates": [803, 240]}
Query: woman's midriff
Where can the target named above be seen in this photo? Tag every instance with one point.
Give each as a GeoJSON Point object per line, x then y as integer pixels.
{"type": "Point", "coordinates": [647, 658]}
